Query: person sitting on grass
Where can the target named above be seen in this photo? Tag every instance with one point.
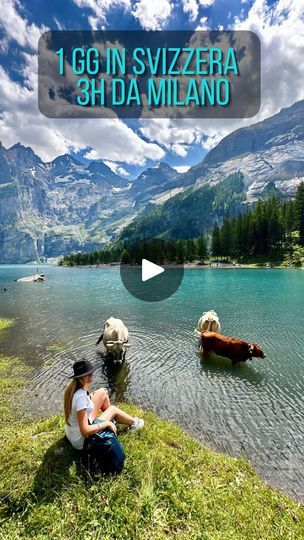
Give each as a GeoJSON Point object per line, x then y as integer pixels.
{"type": "Point", "coordinates": [81, 409]}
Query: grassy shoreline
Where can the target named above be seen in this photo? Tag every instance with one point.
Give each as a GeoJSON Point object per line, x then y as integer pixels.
{"type": "Point", "coordinates": [5, 324]}
{"type": "Point", "coordinates": [172, 487]}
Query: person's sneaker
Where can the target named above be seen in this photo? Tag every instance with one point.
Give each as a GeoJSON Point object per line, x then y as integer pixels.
{"type": "Point", "coordinates": [138, 424]}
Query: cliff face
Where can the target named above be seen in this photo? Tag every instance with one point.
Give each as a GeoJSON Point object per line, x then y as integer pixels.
{"type": "Point", "coordinates": [272, 150]}
{"type": "Point", "coordinates": [51, 209]}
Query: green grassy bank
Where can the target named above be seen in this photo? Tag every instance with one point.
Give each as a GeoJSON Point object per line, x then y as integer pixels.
{"type": "Point", "coordinates": [5, 323]}
{"type": "Point", "coordinates": [171, 487]}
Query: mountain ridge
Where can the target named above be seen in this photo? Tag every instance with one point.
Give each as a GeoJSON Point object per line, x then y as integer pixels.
{"type": "Point", "coordinates": [268, 155]}
{"type": "Point", "coordinates": [54, 208]}
{"type": "Point", "coordinates": [48, 209]}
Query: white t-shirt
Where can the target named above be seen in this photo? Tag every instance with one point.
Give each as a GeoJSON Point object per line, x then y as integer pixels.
{"type": "Point", "coordinates": [80, 401]}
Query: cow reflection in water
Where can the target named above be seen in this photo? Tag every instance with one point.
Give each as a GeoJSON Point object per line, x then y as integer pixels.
{"type": "Point", "coordinates": [117, 376]}
{"type": "Point", "coordinates": [218, 367]}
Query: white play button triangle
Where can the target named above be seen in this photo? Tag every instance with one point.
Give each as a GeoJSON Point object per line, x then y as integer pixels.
{"type": "Point", "coordinates": [150, 270]}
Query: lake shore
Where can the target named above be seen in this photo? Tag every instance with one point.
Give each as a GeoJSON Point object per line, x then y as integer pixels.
{"type": "Point", "coordinates": [171, 487]}
{"type": "Point", "coordinates": [192, 266]}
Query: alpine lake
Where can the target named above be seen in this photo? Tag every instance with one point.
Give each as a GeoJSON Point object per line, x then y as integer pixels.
{"type": "Point", "coordinates": [254, 410]}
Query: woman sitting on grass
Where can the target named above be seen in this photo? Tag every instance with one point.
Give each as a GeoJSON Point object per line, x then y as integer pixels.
{"type": "Point", "coordinates": [81, 409]}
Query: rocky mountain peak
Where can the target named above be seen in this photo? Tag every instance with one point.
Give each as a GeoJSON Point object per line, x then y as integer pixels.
{"type": "Point", "coordinates": [21, 155]}
{"type": "Point", "coordinates": [101, 172]}
{"type": "Point", "coordinates": [160, 168]}
{"type": "Point", "coordinates": [65, 159]}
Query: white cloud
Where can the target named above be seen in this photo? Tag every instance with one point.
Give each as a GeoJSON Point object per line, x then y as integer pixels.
{"type": "Point", "coordinates": [94, 23]}
{"type": "Point", "coordinates": [182, 168]}
{"type": "Point", "coordinates": [173, 135]}
{"type": "Point", "coordinates": [281, 31]}
{"type": "Point", "coordinates": [206, 3]}
{"type": "Point", "coordinates": [202, 25]}
{"type": "Point", "coordinates": [110, 139]}
{"type": "Point", "coordinates": [21, 120]}
{"type": "Point", "coordinates": [59, 24]}
{"type": "Point", "coordinates": [116, 168]}
{"type": "Point", "coordinates": [100, 9]}
{"type": "Point", "coordinates": [191, 7]}
{"type": "Point", "coordinates": [180, 149]}
{"type": "Point", "coordinates": [212, 137]}
{"type": "Point", "coordinates": [29, 70]}
{"type": "Point", "coordinates": [17, 27]}
{"type": "Point", "coordinates": [152, 15]}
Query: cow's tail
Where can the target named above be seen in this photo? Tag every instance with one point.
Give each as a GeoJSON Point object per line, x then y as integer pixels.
{"type": "Point", "coordinates": [99, 339]}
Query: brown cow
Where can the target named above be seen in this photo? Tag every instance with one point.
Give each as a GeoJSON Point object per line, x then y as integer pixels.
{"type": "Point", "coordinates": [234, 349]}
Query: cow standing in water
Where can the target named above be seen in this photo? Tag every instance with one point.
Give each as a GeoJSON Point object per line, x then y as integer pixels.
{"type": "Point", "coordinates": [208, 321]}
{"type": "Point", "coordinates": [115, 338]}
{"type": "Point", "coordinates": [234, 349]}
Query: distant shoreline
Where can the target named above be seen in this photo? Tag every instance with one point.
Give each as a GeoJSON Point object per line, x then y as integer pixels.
{"type": "Point", "coordinates": [186, 266]}
{"type": "Point", "coordinates": [192, 266]}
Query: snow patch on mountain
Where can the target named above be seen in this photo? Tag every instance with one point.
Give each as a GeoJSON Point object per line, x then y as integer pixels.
{"type": "Point", "coordinates": [166, 195]}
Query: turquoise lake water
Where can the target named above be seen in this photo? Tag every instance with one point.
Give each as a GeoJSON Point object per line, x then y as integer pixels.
{"type": "Point", "coordinates": [255, 410]}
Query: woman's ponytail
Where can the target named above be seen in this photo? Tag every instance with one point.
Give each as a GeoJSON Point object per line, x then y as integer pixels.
{"type": "Point", "coordinates": [70, 390]}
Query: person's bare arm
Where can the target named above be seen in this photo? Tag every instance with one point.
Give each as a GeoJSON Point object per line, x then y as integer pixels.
{"type": "Point", "coordinates": [86, 429]}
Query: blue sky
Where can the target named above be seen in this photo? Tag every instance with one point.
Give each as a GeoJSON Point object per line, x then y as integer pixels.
{"type": "Point", "coordinates": [132, 145]}
{"type": "Point", "coordinates": [73, 17]}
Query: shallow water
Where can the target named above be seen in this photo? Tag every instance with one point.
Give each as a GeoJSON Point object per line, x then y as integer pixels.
{"type": "Point", "coordinates": [255, 410]}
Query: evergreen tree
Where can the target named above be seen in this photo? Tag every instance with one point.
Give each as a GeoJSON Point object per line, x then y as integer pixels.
{"type": "Point", "coordinates": [125, 257]}
{"type": "Point", "coordinates": [191, 250]}
{"type": "Point", "coordinates": [202, 250]}
{"type": "Point", "coordinates": [226, 237]}
{"type": "Point", "coordinates": [288, 219]}
{"type": "Point", "coordinates": [181, 252]}
{"type": "Point", "coordinates": [275, 224]}
{"type": "Point", "coordinates": [299, 213]}
{"type": "Point", "coordinates": [216, 241]}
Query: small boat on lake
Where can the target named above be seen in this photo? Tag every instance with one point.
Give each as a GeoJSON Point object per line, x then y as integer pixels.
{"type": "Point", "coordinates": [34, 279]}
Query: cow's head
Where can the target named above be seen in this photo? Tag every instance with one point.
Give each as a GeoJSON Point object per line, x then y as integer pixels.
{"type": "Point", "coordinates": [256, 351]}
{"type": "Point", "coordinates": [118, 349]}
{"type": "Point", "coordinates": [209, 321]}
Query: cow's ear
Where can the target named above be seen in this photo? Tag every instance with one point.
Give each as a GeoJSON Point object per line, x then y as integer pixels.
{"type": "Point", "coordinates": [250, 348]}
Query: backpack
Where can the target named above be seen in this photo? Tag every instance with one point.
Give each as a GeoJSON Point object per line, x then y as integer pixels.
{"type": "Point", "coordinates": [103, 454]}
